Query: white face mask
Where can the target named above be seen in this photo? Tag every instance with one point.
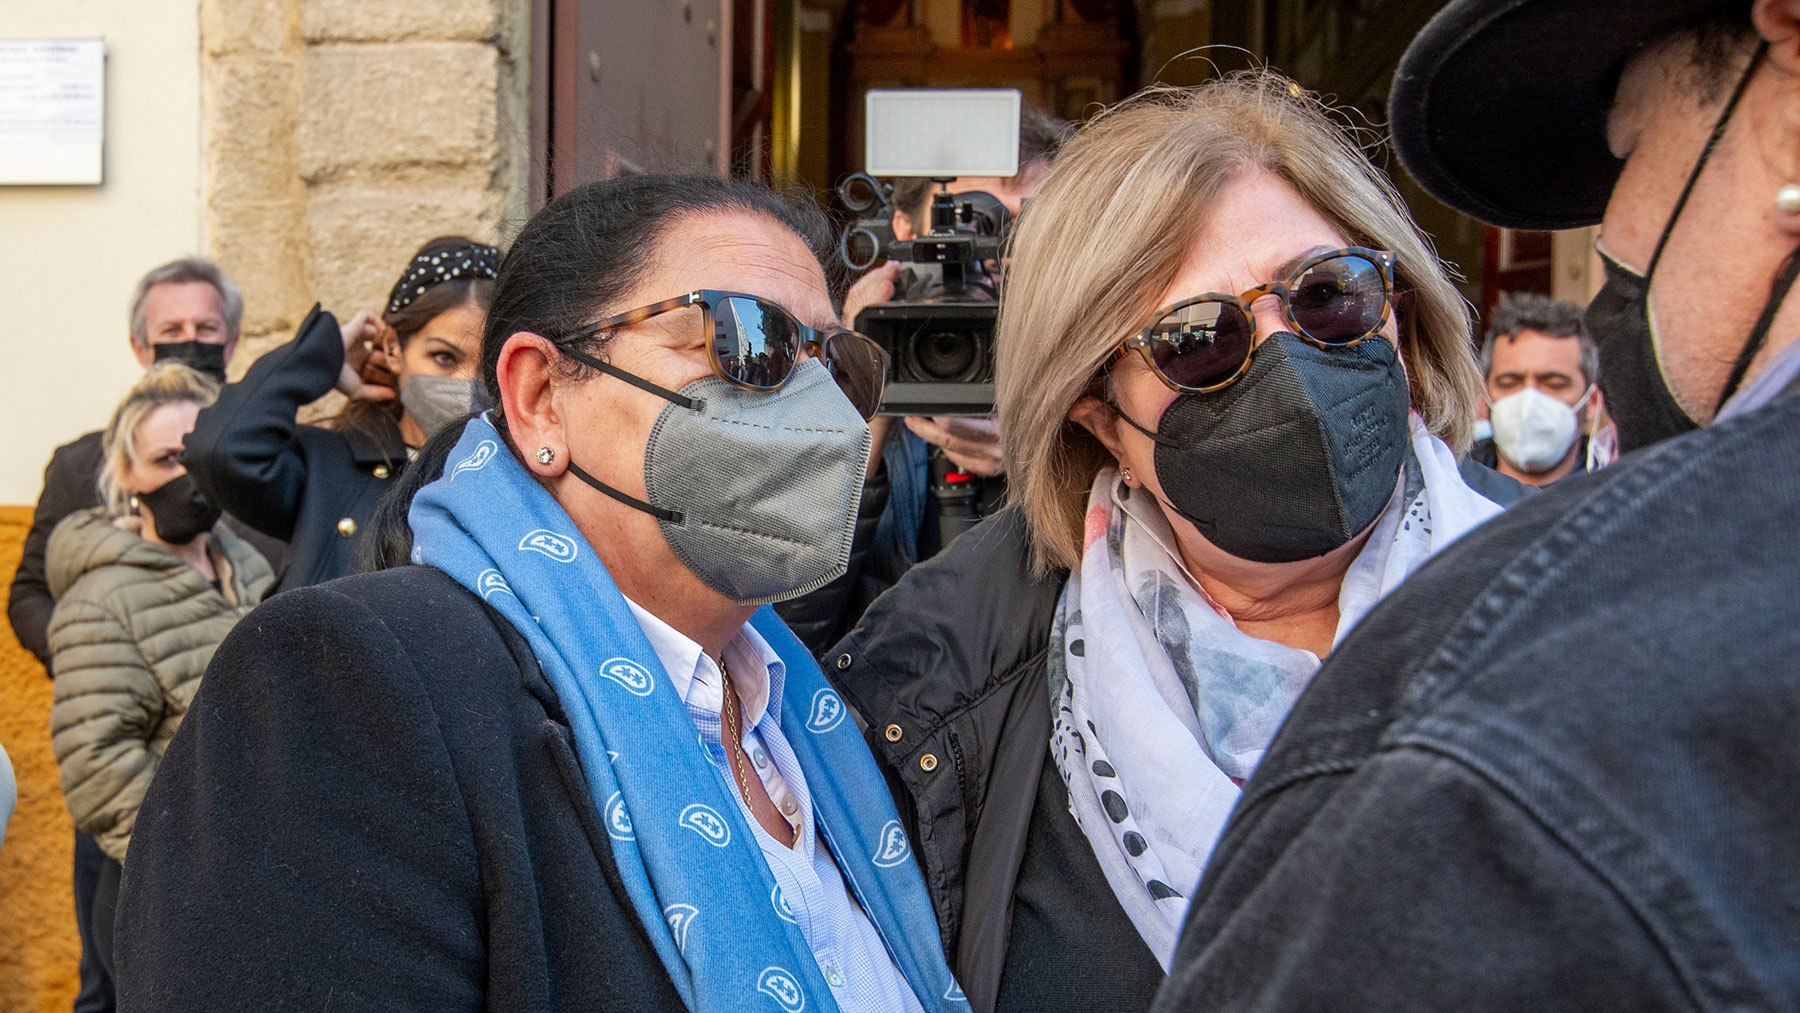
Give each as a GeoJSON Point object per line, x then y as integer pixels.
{"type": "Point", "coordinates": [1534, 430]}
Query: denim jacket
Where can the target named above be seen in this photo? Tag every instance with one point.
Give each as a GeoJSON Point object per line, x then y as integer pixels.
{"type": "Point", "coordinates": [1555, 770]}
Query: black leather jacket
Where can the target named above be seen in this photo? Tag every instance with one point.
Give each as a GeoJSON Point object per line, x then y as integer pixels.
{"type": "Point", "coordinates": [947, 671]}
{"type": "Point", "coordinates": [1554, 771]}
{"type": "Point", "coordinates": [310, 487]}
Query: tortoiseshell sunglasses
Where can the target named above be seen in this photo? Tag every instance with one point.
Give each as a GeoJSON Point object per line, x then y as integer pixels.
{"type": "Point", "coordinates": [756, 344]}
{"type": "Point", "coordinates": [1333, 300]}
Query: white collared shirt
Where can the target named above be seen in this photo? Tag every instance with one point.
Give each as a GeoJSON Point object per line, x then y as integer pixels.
{"type": "Point", "coordinates": [849, 950]}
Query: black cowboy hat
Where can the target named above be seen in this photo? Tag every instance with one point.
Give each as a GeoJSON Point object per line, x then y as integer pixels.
{"type": "Point", "coordinates": [1499, 106]}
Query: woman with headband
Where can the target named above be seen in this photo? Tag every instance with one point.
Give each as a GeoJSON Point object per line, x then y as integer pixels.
{"type": "Point", "coordinates": [315, 486]}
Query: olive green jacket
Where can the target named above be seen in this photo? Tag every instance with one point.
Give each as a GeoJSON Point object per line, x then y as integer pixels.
{"type": "Point", "coordinates": [134, 628]}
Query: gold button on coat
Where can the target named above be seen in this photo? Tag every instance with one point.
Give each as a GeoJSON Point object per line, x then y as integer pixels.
{"type": "Point", "coordinates": [346, 527]}
{"type": "Point", "coordinates": [381, 471]}
{"type": "Point", "coordinates": [892, 732]}
{"type": "Point", "coordinates": [928, 763]}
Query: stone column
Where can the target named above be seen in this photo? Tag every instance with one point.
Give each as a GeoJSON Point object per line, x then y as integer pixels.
{"type": "Point", "coordinates": [341, 134]}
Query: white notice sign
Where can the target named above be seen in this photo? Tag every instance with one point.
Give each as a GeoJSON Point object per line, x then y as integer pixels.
{"type": "Point", "coordinates": [51, 122]}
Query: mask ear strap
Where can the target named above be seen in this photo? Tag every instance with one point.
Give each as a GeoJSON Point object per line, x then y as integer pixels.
{"type": "Point", "coordinates": [1712, 142]}
{"type": "Point", "coordinates": [1759, 335]}
{"type": "Point", "coordinates": [672, 516]}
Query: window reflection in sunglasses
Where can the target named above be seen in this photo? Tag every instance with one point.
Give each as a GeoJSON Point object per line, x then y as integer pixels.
{"type": "Point", "coordinates": [1336, 301]}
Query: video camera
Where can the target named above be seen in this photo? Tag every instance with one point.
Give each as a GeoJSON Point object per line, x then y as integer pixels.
{"type": "Point", "coordinates": [939, 333]}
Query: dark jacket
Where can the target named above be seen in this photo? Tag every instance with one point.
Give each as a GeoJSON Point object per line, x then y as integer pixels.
{"type": "Point", "coordinates": [820, 617]}
{"type": "Point", "coordinates": [71, 483]}
{"type": "Point", "coordinates": [375, 804]}
{"type": "Point", "coordinates": [948, 672]}
{"type": "Point", "coordinates": [1555, 770]}
{"type": "Point", "coordinates": [951, 665]}
{"type": "Point", "coordinates": [310, 487]}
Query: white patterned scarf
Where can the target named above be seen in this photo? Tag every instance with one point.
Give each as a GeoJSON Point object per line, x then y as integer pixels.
{"type": "Point", "coordinates": [1163, 707]}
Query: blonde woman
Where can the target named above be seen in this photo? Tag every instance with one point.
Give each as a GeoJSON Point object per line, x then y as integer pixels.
{"type": "Point", "coordinates": [1233, 382]}
{"type": "Point", "coordinates": [147, 585]}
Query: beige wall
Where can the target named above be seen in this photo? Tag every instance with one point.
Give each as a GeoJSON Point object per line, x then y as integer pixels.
{"type": "Point", "coordinates": [69, 255]}
{"type": "Point", "coordinates": [308, 145]}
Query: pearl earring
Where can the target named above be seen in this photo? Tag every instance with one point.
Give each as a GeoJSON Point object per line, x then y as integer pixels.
{"type": "Point", "coordinates": [1125, 473]}
{"type": "Point", "coordinates": [546, 455]}
{"type": "Point", "coordinates": [1787, 199]}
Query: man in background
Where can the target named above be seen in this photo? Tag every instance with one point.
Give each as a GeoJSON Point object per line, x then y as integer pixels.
{"type": "Point", "coordinates": [185, 310]}
{"type": "Point", "coordinates": [897, 525]}
{"type": "Point", "coordinates": [1542, 373]}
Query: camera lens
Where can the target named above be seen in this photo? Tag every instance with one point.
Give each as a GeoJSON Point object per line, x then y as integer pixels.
{"type": "Point", "coordinates": [949, 357]}
{"type": "Point", "coordinates": [860, 248]}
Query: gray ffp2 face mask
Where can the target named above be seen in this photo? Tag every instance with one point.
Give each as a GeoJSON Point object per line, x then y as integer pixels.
{"type": "Point", "coordinates": [436, 401]}
{"type": "Point", "coordinates": [756, 493]}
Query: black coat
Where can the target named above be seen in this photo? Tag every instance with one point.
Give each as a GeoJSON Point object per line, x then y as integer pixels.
{"type": "Point", "coordinates": [948, 670]}
{"type": "Point", "coordinates": [375, 803]}
{"type": "Point", "coordinates": [954, 658]}
{"type": "Point", "coordinates": [310, 487]}
{"type": "Point", "coordinates": [1555, 770]}
{"type": "Point", "coordinates": [71, 483]}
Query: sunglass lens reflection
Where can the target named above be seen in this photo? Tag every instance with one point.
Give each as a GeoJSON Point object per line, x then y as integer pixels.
{"type": "Point", "coordinates": [1339, 301]}
{"type": "Point", "coordinates": [757, 342]}
{"type": "Point", "coordinates": [1200, 344]}
{"type": "Point", "coordinates": [859, 366]}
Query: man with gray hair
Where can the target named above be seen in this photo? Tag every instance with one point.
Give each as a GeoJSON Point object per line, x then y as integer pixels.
{"type": "Point", "coordinates": [186, 311]}
{"type": "Point", "coordinates": [1542, 371]}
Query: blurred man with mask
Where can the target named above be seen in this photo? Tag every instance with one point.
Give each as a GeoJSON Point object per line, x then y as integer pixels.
{"type": "Point", "coordinates": [897, 525]}
{"type": "Point", "coordinates": [1541, 371]}
{"type": "Point", "coordinates": [184, 310]}
{"type": "Point", "coordinates": [1555, 769]}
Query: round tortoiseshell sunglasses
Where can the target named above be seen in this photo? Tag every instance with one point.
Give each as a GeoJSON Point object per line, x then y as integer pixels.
{"type": "Point", "coordinates": [1333, 300]}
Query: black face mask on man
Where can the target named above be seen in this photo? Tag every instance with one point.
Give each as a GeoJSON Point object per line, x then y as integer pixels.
{"type": "Point", "coordinates": [1295, 459]}
{"type": "Point", "coordinates": [178, 510]}
{"type": "Point", "coordinates": [202, 357]}
{"type": "Point", "coordinates": [1622, 321]}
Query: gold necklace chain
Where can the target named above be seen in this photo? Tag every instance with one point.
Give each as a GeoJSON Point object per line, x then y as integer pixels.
{"type": "Point", "coordinates": [731, 718]}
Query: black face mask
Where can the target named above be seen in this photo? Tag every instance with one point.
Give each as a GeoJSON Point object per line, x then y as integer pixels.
{"type": "Point", "coordinates": [200, 356]}
{"type": "Point", "coordinates": [1643, 408]}
{"type": "Point", "coordinates": [181, 514]}
{"type": "Point", "coordinates": [1295, 459]}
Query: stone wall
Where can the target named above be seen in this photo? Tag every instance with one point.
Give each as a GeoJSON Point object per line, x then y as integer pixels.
{"type": "Point", "coordinates": [339, 135]}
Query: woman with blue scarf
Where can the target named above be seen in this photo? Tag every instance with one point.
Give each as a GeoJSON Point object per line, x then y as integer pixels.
{"type": "Point", "coordinates": [572, 760]}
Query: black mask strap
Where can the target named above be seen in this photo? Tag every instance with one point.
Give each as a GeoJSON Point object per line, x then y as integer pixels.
{"type": "Point", "coordinates": [672, 516]}
{"type": "Point", "coordinates": [1759, 335]}
{"type": "Point", "coordinates": [1120, 412]}
{"type": "Point", "coordinates": [639, 382]}
{"type": "Point", "coordinates": [1712, 141]}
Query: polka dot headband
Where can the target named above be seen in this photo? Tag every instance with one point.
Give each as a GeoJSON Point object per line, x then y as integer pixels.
{"type": "Point", "coordinates": [476, 260]}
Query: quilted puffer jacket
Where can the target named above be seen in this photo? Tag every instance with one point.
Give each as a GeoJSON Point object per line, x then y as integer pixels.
{"type": "Point", "coordinates": [133, 630]}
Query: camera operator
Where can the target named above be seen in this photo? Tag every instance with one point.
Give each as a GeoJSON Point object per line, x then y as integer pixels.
{"type": "Point", "coordinates": [897, 524]}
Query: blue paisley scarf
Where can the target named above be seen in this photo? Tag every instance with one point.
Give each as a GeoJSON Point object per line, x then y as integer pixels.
{"type": "Point", "coordinates": [689, 861]}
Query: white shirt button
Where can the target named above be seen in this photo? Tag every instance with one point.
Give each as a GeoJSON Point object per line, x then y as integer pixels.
{"type": "Point", "coordinates": [789, 807]}
{"type": "Point", "coordinates": [833, 978]}
{"type": "Point", "coordinates": [760, 758]}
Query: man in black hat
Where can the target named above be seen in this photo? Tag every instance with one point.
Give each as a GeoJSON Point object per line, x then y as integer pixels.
{"type": "Point", "coordinates": [1556, 769]}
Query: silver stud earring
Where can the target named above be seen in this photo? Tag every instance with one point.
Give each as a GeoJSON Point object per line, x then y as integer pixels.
{"type": "Point", "coordinates": [1787, 199]}
{"type": "Point", "coordinates": [546, 455]}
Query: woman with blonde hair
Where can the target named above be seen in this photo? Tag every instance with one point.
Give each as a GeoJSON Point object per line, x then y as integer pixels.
{"type": "Point", "coordinates": [146, 586]}
{"type": "Point", "coordinates": [1233, 381]}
